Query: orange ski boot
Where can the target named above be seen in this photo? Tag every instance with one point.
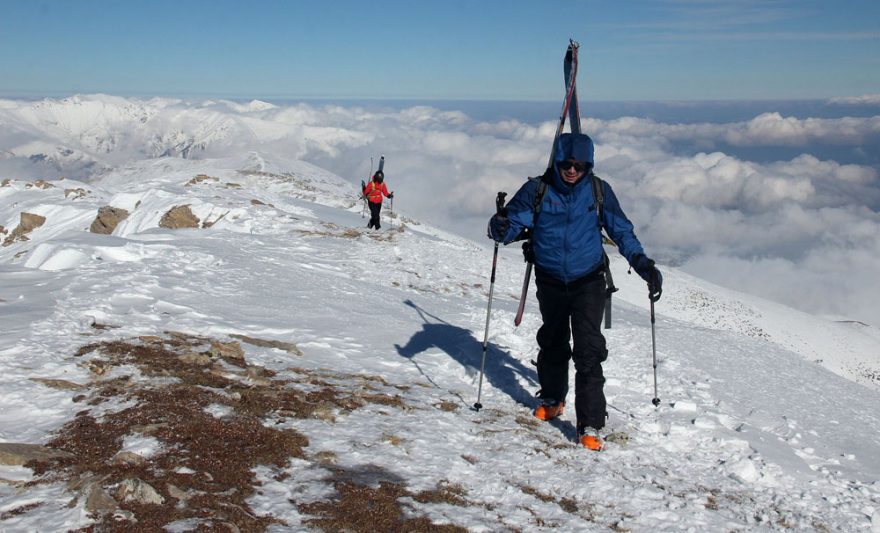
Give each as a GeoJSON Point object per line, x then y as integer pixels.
{"type": "Point", "coordinates": [590, 439]}
{"type": "Point", "coordinates": [549, 409]}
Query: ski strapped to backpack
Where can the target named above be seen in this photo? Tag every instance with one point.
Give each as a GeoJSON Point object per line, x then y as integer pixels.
{"type": "Point", "coordinates": [570, 107]}
{"type": "Point", "coordinates": [570, 72]}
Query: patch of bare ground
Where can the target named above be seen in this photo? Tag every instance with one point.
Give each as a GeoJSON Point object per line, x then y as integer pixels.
{"type": "Point", "coordinates": [361, 506]}
{"type": "Point", "coordinates": [203, 470]}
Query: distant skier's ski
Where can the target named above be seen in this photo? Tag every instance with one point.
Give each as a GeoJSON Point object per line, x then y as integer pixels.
{"type": "Point", "coordinates": [363, 197]}
{"type": "Point", "coordinates": [569, 107]}
{"type": "Point", "coordinates": [381, 164]}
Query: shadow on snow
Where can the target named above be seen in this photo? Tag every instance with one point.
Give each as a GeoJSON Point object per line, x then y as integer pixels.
{"type": "Point", "coordinates": [502, 369]}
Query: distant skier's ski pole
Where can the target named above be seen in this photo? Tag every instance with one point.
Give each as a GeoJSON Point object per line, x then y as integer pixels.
{"type": "Point", "coordinates": [499, 207]}
{"type": "Point", "coordinates": [392, 212]}
{"type": "Point", "coordinates": [656, 400]}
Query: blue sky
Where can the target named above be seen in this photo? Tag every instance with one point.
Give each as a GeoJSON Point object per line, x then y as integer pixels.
{"type": "Point", "coordinates": [481, 49]}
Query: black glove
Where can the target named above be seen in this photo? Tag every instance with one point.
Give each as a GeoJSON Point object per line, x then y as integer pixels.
{"type": "Point", "coordinates": [391, 195]}
{"type": "Point", "coordinates": [528, 253]}
{"type": "Point", "coordinates": [645, 268]}
{"type": "Point", "coordinates": [498, 226]}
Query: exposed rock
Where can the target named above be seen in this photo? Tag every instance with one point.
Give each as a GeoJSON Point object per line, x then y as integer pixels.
{"type": "Point", "coordinates": [107, 220]}
{"type": "Point", "coordinates": [281, 345]}
{"type": "Point", "coordinates": [59, 384]}
{"type": "Point", "coordinates": [29, 222]}
{"type": "Point", "coordinates": [201, 359]}
{"type": "Point", "coordinates": [75, 194]}
{"type": "Point", "coordinates": [176, 493]}
{"type": "Point", "coordinates": [179, 217]}
{"type": "Point", "coordinates": [200, 178]}
{"type": "Point", "coordinates": [228, 350]}
{"type": "Point", "coordinates": [19, 453]}
{"type": "Point", "coordinates": [138, 491]}
{"type": "Point", "coordinates": [129, 458]}
{"type": "Point", "coordinates": [41, 184]}
{"type": "Point", "coordinates": [149, 429]}
{"type": "Point", "coordinates": [98, 501]}
{"type": "Point", "coordinates": [5, 183]}
{"type": "Point", "coordinates": [257, 377]}
{"type": "Point", "coordinates": [103, 327]}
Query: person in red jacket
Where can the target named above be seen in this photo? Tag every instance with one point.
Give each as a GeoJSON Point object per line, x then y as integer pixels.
{"type": "Point", "coordinates": [373, 193]}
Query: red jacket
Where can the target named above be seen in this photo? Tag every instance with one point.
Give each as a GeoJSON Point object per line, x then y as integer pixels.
{"type": "Point", "coordinates": [374, 191]}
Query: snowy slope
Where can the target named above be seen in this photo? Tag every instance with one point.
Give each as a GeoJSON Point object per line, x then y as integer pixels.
{"type": "Point", "coordinates": [751, 434]}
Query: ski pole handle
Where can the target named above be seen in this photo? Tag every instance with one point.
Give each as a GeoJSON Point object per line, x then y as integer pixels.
{"type": "Point", "coordinates": [499, 202]}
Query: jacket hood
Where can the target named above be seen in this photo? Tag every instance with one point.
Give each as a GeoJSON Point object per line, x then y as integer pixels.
{"type": "Point", "coordinates": [577, 146]}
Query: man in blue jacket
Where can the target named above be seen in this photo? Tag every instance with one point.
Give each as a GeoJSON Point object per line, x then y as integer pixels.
{"type": "Point", "coordinates": [569, 260]}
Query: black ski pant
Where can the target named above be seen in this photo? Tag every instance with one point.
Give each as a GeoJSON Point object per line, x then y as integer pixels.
{"type": "Point", "coordinates": [375, 209]}
{"type": "Point", "coordinates": [573, 311]}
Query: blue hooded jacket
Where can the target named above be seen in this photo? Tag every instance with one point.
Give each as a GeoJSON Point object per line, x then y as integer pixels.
{"type": "Point", "coordinates": [567, 241]}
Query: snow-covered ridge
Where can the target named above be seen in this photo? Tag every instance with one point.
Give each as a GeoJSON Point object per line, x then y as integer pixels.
{"type": "Point", "coordinates": [109, 130]}
{"type": "Point", "coordinates": [751, 433]}
{"type": "Point", "coordinates": [233, 192]}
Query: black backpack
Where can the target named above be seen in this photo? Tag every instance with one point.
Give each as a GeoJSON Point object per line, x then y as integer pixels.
{"type": "Point", "coordinates": [600, 201]}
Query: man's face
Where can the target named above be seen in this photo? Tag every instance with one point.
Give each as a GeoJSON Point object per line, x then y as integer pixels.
{"type": "Point", "coordinates": [572, 171]}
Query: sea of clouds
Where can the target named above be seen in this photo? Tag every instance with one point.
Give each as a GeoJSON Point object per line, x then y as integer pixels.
{"type": "Point", "coordinates": [779, 205]}
{"type": "Point", "coordinates": [756, 205]}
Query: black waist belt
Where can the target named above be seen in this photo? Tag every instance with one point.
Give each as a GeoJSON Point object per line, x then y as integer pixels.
{"type": "Point", "coordinates": [545, 278]}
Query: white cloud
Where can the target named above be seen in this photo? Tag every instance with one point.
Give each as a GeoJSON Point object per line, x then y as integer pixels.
{"type": "Point", "coordinates": [767, 128]}
{"type": "Point", "coordinates": [867, 99]}
{"type": "Point", "coordinates": [801, 229]}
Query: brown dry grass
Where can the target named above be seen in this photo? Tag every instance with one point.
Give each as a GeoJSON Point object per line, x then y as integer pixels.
{"type": "Point", "coordinates": [205, 469]}
{"type": "Point", "coordinates": [363, 507]}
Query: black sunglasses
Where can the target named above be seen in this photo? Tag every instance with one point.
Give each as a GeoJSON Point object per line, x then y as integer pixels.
{"type": "Point", "coordinates": [578, 166]}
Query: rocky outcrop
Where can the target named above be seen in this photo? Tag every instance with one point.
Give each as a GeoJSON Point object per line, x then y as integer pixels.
{"type": "Point", "coordinates": [107, 220]}
{"type": "Point", "coordinates": [19, 453]}
{"type": "Point", "coordinates": [138, 491]}
{"type": "Point", "coordinates": [40, 184]}
{"type": "Point", "coordinates": [29, 222]}
{"type": "Point", "coordinates": [177, 217]}
{"type": "Point", "coordinates": [75, 194]}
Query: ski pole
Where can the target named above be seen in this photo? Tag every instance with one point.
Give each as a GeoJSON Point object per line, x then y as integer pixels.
{"type": "Point", "coordinates": [392, 212]}
{"type": "Point", "coordinates": [499, 208]}
{"type": "Point", "coordinates": [656, 400]}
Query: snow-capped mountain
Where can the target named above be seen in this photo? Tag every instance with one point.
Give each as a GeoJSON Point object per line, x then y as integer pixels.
{"type": "Point", "coordinates": [81, 135]}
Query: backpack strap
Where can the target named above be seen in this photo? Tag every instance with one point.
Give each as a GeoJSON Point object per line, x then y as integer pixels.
{"type": "Point", "coordinates": [539, 198]}
{"type": "Point", "coordinates": [599, 195]}
{"type": "Point", "coordinates": [536, 210]}
{"type": "Point", "coordinates": [610, 289]}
